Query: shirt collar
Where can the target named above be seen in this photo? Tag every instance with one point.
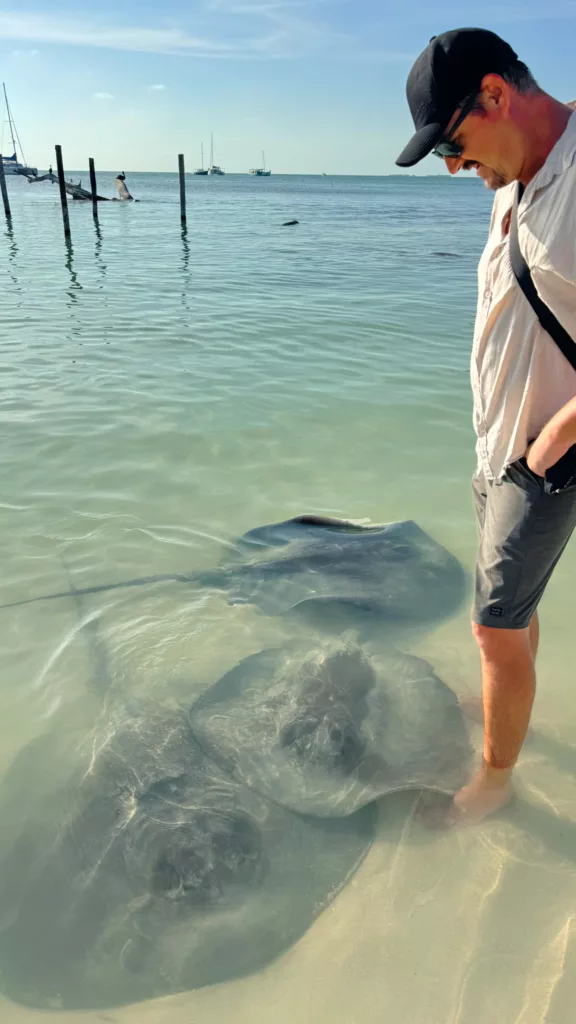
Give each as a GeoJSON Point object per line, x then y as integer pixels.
{"type": "Point", "coordinates": [559, 159]}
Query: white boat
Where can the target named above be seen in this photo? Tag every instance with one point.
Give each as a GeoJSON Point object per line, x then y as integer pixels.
{"type": "Point", "coordinates": [201, 169]}
{"type": "Point", "coordinates": [12, 165]}
{"type": "Point", "coordinates": [213, 169]}
{"type": "Point", "coordinates": [261, 172]}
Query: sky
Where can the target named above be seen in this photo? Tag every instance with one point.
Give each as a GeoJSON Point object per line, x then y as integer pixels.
{"type": "Point", "coordinates": [318, 84]}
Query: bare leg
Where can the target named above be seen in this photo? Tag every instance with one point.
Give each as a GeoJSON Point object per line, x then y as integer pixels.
{"type": "Point", "coordinates": [508, 687]}
{"type": "Point", "coordinates": [534, 634]}
{"type": "Point", "coordinates": [472, 707]}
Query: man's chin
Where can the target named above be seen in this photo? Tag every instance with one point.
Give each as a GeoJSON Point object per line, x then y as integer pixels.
{"type": "Point", "coordinates": [493, 180]}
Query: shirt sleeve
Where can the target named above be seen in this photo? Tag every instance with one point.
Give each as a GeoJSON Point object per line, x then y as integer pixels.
{"type": "Point", "coordinates": [554, 270]}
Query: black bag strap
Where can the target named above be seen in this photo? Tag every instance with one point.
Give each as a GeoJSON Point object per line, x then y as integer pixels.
{"type": "Point", "coordinates": [522, 274]}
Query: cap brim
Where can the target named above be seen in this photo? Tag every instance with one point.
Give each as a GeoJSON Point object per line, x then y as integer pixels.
{"type": "Point", "coordinates": [421, 144]}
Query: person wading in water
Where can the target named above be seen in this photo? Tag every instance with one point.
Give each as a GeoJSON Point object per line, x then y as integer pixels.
{"type": "Point", "coordinates": [477, 106]}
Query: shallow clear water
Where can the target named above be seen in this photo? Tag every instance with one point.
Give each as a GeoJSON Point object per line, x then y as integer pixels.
{"type": "Point", "coordinates": [163, 393]}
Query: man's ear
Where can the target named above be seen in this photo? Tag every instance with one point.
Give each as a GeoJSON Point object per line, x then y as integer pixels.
{"type": "Point", "coordinates": [495, 95]}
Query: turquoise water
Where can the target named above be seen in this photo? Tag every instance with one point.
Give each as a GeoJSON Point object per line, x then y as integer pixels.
{"type": "Point", "coordinates": [163, 392]}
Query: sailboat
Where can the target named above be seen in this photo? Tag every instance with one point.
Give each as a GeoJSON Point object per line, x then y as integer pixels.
{"type": "Point", "coordinates": [12, 165]}
{"type": "Point", "coordinates": [261, 172]}
{"type": "Point", "coordinates": [213, 169]}
{"type": "Point", "coordinates": [201, 169]}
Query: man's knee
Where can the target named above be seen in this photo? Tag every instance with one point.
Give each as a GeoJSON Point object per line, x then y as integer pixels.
{"type": "Point", "coordinates": [501, 643]}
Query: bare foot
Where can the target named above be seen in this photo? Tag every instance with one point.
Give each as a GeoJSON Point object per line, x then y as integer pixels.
{"type": "Point", "coordinates": [489, 791]}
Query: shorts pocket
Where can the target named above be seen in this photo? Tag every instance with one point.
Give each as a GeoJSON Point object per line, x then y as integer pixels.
{"type": "Point", "coordinates": [520, 473]}
{"type": "Point", "coordinates": [562, 475]}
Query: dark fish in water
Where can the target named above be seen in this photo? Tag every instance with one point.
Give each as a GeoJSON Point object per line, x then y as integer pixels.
{"type": "Point", "coordinates": [290, 223]}
{"type": "Point", "coordinates": [325, 732]}
{"type": "Point", "coordinates": [329, 567]}
{"type": "Point", "coordinates": [133, 867]}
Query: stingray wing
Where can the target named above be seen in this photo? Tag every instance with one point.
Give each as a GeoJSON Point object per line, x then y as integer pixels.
{"type": "Point", "coordinates": [325, 735]}
{"type": "Point", "coordinates": [151, 871]}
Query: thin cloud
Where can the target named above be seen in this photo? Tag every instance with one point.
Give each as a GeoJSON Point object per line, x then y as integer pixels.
{"type": "Point", "coordinates": [65, 31]}
{"type": "Point", "coordinates": [102, 95]}
{"type": "Point", "coordinates": [24, 54]}
{"type": "Point", "coordinates": [268, 29]}
{"type": "Point", "coordinates": [156, 88]}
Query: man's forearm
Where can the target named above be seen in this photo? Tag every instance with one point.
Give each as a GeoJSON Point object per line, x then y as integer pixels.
{"type": "Point", "coordinates": [554, 440]}
{"type": "Point", "coordinates": [561, 429]}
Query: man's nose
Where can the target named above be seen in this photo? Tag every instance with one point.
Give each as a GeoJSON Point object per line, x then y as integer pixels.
{"type": "Point", "coordinates": [453, 163]}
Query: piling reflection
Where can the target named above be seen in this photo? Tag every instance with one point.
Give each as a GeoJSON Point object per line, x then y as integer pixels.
{"type": "Point", "coordinates": [185, 264]}
{"type": "Point", "coordinates": [98, 253]}
{"type": "Point", "coordinates": [75, 285]}
{"type": "Point", "coordinates": [13, 251]}
{"type": "Point", "coordinates": [12, 243]}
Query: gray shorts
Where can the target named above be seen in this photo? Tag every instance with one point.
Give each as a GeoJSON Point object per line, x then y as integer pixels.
{"type": "Point", "coordinates": [523, 530]}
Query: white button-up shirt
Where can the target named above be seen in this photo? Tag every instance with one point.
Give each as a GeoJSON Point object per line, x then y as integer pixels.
{"type": "Point", "coordinates": [520, 378]}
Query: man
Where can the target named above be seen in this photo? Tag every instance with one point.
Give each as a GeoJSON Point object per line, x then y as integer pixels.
{"type": "Point", "coordinates": [478, 107]}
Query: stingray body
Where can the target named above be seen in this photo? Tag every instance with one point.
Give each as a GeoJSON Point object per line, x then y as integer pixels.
{"type": "Point", "coordinates": [328, 731]}
{"type": "Point", "coordinates": [395, 571]}
{"type": "Point", "coordinates": [330, 568]}
{"type": "Point", "coordinates": [151, 870]}
{"type": "Point", "coordinates": [173, 849]}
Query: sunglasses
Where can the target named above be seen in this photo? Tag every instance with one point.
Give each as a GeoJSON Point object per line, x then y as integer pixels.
{"type": "Point", "coordinates": [447, 148]}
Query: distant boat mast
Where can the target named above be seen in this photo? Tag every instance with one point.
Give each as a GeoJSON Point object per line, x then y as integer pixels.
{"type": "Point", "coordinates": [13, 128]}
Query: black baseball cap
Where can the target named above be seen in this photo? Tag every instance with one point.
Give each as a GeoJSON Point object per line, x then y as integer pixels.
{"type": "Point", "coordinates": [449, 70]}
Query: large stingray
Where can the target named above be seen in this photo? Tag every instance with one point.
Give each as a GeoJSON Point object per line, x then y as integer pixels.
{"type": "Point", "coordinates": [326, 732]}
{"type": "Point", "coordinates": [133, 866]}
{"type": "Point", "coordinates": [153, 871]}
{"type": "Point", "coordinates": [316, 564]}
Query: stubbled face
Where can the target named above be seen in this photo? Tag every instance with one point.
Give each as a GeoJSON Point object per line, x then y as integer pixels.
{"type": "Point", "coordinates": [490, 141]}
{"type": "Point", "coordinates": [480, 154]}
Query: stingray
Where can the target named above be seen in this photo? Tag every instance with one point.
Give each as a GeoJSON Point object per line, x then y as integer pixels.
{"type": "Point", "coordinates": [152, 872]}
{"type": "Point", "coordinates": [326, 732]}
{"type": "Point", "coordinates": [328, 567]}
{"type": "Point", "coordinates": [132, 866]}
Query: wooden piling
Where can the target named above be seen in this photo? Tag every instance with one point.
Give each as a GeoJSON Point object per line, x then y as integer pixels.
{"type": "Point", "coordinates": [5, 199]}
{"type": "Point", "coordinates": [182, 172]}
{"type": "Point", "coordinates": [63, 199]}
{"type": "Point", "coordinates": [93, 188]}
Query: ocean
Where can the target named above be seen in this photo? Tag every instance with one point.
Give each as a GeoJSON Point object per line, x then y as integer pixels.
{"type": "Point", "coordinates": [163, 392]}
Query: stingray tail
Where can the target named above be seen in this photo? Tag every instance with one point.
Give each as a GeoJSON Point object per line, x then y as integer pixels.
{"type": "Point", "coordinates": [213, 579]}
{"type": "Point", "coordinates": [102, 588]}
